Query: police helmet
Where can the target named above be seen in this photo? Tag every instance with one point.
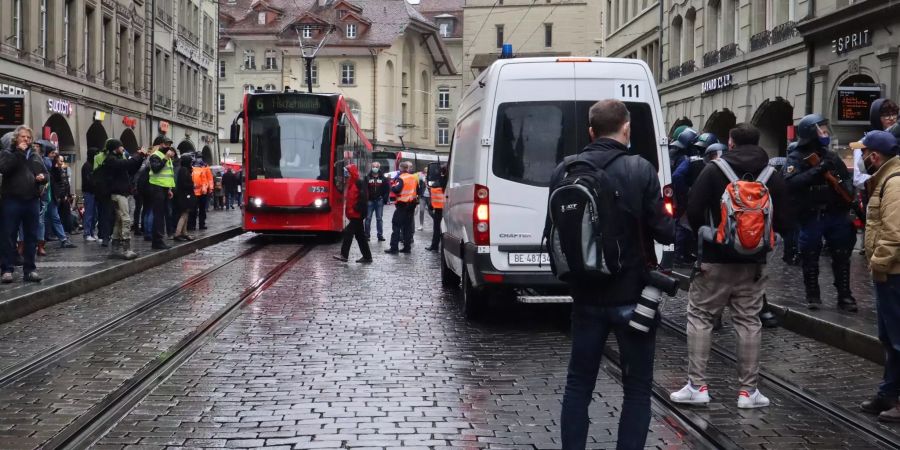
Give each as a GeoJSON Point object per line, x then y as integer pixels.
{"type": "Point", "coordinates": [807, 128]}
{"type": "Point", "coordinates": [687, 138]}
{"type": "Point", "coordinates": [705, 140]}
{"type": "Point", "coordinates": [715, 148]}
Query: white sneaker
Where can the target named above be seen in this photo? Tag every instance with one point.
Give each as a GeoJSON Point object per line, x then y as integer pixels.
{"type": "Point", "coordinates": [420, 228]}
{"type": "Point", "coordinates": [691, 396]}
{"type": "Point", "coordinates": [746, 400]}
{"type": "Point", "coordinates": [90, 238]}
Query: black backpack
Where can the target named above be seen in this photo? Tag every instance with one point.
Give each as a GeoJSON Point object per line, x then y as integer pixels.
{"type": "Point", "coordinates": [585, 225]}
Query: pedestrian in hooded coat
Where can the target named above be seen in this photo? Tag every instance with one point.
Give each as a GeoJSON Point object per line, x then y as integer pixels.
{"type": "Point", "coordinates": [356, 200]}
{"type": "Point", "coordinates": [185, 199]}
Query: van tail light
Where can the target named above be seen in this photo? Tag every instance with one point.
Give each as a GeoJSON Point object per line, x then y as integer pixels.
{"type": "Point", "coordinates": [669, 200]}
{"type": "Point", "coordinates": [481, 216]}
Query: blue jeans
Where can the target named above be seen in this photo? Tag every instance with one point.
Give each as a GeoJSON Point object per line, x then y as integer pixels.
{"type": "Point", "coordinates": [147, 220]}
{"type": "Point", "coordinates": [887, 303]}
{"type": "Point", "coordinates": [51, 218]}
{"type": "Point", "coordinates": [375, 207]}
{"type": "Point", "coordinates": [90, 214]}
{"type": "Point", "coordinates": [231, 199]}
{"type": "Point", "coordinates": [591, 326]}
{"type": "Point", "coordinates": [25, 214]}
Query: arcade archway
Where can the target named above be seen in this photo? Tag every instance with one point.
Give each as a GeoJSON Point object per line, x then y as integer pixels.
{"type": "Point", "coordinates": [96, 136]}
{"type": "Point", "coordinates": [773, 119]}
{"type": "Point", "coordinates": [207, 155]}
{"type": "Point", "coordinates": [186, 146]}
{"type": "Point", "coordinates": [129, 141]}
{"type": "Point", "coordinates": [59, 125]}
{"type": "Point", "coordinates": [720, 123]}
{"type": "Point", "coordinates": [682, 121]}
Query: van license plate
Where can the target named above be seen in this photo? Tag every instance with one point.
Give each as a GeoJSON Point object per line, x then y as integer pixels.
{"type": "Point", "coordinates": [528, 259]}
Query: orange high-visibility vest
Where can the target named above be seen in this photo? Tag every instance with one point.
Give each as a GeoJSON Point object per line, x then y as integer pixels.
{"type": "Point", "coordinates": [202, 178]}
{"type": "Point", "coordinates": [410, 183]}
{"type": "Point", "coordinates": [437, 198]}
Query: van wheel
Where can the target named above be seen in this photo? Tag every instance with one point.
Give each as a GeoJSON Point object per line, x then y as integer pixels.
{"type": "Point", "coordinates": [474, 300]}
{"type": "Point", "coordinates": [448, 278]}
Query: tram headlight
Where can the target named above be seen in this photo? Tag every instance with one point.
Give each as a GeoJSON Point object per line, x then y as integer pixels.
{"type": "Point", "coordinates": [320, 202]}
{"type": "Point", "coordinates": [256, 201]}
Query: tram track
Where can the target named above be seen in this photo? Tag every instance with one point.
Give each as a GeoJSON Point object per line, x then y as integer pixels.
{"type": "Point", "coordinates": [794, 392]}
{"type": "Point", "coordinates": [94, 423]}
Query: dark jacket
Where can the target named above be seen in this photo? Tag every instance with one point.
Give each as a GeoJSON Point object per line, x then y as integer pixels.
{"type": "Point", "coordinates": [705, 200]}
{"type": "Point", "coordinates": [184, 185]}
{"type": "Point", "coordinates": [807, 185]}
{"type": "Point", "coordinates": [683, 179]}
{"type": "Point", "coordinates": [640, 198]}
{"type": "Point", "coordinates": [378, 186]}
{"type": "Point", "coordinates": [120, 171]}
{"type": "Point", "coordinates": [87, 175]}
{"type": "Point", "coordinates": [59, 183]}
{"type": "Point", "coordinates": [230, 183]}
{"type": "Point", "coordinates": [19, 170]}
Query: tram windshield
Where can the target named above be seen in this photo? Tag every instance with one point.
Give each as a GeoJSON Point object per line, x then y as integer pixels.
{"type": "Point", "coordinates": [288, 145]}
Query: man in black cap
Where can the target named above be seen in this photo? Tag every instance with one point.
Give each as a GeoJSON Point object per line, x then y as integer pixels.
{"type": "Point", "coordinates": [161, 185]}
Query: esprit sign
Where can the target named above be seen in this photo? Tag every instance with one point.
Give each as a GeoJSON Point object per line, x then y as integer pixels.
{"type": "Point", "coordinates": [63, 107]}
{"type": "Point", "coordinates": [718, 83]}
{"type": "Point", "coordinates": [852, 41]}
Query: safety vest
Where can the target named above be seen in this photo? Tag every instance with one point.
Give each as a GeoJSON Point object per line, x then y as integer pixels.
{"type": "Point", "coordinates": [437, 198]}
{"type": "Point", "coordinates": [410, 183]}
{"type": "Point", "coordinates": [166, 177]}
{"type": "Point", "coordinates": [202, 178]}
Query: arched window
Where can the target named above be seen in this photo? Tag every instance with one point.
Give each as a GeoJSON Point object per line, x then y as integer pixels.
{"type": "Point", "coordinates": [688, 49]}
{"type": "Point", "coordinates": [711, 25]}
{"type": "Point", "coordinates": [270, 88]}
{"type": "Point", "coordinates": [675, 42]}
{"type": "Point", "coordinates": [248, 88]}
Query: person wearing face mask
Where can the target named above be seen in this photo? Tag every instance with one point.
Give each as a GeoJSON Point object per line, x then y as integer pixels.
{"type": "Point", "coordinates": [821, 211]}
{"type": "Point", "coordinates": [879, 151]}
{"type": "Point", "coordinates": [379, 192]}
{"type": "Point", "coordinates": [120, 171]}
{"type": "Point", "coordinates": [355, 208]}
{"type": "Point", "coordinates": [882, 116]}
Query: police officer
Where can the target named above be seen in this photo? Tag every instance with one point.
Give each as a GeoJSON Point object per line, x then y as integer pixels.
{"type": "Point", "coordinates": [437, 205]}
{"type": "Point", "coordinates": [791, 255]}
{"type": "Point", "coordinates": [406, 185]}
{"type": "Point", "coordinates": [681, 151]}
{"type": "Point", "coordinates": [162, 184]}
{"type": "Point", "coordinates": [822, 213]}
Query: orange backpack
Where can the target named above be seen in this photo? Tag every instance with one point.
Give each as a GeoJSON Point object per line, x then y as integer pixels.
{"type": "Point", "coordinates": [746, 208]}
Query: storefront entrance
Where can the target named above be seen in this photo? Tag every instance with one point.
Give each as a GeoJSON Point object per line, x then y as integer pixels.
{"type": "Point", "coordinates": [720, 123]}
{"type": "Point", "coordinates": [96, 136]}
{"type": "Point", "coordinates": [59, 125]}
{"type": "Point", "coordinates": [773, 119]}
{"type": "Point", "coordinates": [129, 141]}
{"type": "Point", "coordinates": [207, 154]}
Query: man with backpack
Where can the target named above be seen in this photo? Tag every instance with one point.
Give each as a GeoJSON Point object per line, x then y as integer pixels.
{"type": "Point", "coordinates": [879, 151]}
{"type": "Point", "coordinates": [625, 202]}
{"type": "Point", "coordinates": [738, 203]}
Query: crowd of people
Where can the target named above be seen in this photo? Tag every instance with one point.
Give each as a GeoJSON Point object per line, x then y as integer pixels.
{"type": "Point", "coordinates": [153, 193]}
{"type": "Point", "coordinates": [728, 194]}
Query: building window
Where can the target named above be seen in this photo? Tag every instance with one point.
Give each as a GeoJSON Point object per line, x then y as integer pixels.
{"type": "Point", "coordinates": [711, 24]}
{"type": "Point", "coordinates": [307, 32]}
{"type": "Point", "coordinates": [548, 35]}
{"type": "Point", "coordinates": [67, 29]}
{"type": "Point", "coordinates": [261, 18]}
{"type": "Point", "coordinates": [221, 68]}
{"type": "Point", "coordinates": [17, 23]}
{"type": "Point", "coordinates": [249, 60]}
{"type": "Point", "coordinates": [499, 36]}
{"type": "Point", "coordinates": [314, 74]}
{"type": "Point", "coordinates": [351, 31]}
{"type": "Point", "coordinates": [443, 98]}
{"type": "Point", "coordinates": [445, 29]}
{"type": "Point", "coordinates": [248, 88]}
{"type": "Point", "coordinates": [443, 134]}
{"type": "Point", "coordinates": [271, 60]}
{"type": "Point", "coordinates": [687, 39]}
{"type": "Point", "coordinates": [270, 88]}
{"type": "Point", "coordinates": [221, 102]}
{"type": "Point", "coordinates": [42, 29]}
{"type": "Point", "coordinates": [348, 74]}
{"type": "Point", "coordinates": [675, 42]}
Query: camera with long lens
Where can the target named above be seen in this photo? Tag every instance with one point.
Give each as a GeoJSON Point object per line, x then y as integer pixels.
{"type": "Point", "coordinates": [645, 312]}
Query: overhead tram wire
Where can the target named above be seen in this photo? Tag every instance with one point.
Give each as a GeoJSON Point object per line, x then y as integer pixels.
{"type": "Point", "coordinates": [542, 22]}
{"type": "Point", "coordinates": [513, 32]}
{"type": "Point", "coordinates": [486, 16]}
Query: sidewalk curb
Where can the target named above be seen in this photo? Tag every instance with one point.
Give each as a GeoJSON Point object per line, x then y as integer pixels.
{"type": "Point", "coordinates": [50, 295]}
{"type": "Point", "coordinates": [852, 341]}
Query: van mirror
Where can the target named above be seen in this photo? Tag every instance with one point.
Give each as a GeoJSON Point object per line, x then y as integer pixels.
{"type": "Point", "coordinates": [235, 133]}
{"type": "Point", "coordinates": [341, 138]}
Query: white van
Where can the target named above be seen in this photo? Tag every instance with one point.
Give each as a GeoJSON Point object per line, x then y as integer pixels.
{"type": "Point", "coordinates": [517, 121]}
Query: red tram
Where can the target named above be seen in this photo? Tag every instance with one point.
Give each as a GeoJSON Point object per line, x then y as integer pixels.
{"type": "Point", "coordinates": [295, 148]}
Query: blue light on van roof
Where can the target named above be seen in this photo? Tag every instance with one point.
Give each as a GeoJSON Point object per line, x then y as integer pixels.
{"type": "Point", "coordinates": [506, 51]}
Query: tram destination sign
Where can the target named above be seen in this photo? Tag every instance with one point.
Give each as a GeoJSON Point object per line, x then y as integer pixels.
{"type": "Point", "coordinates": [291, 103]}
{"type": "Point", "coordinates": [854, 103]}
{"type": "Point", "coordinates": [12, 110]}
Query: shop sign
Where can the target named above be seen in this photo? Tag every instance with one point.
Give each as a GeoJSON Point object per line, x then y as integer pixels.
{"type": "Point", "coordinates": [12, 110]}
{"type": "Point", "coordinates": [850, 42]}
{"type": "Point", "coordinates": [8, 89]}
{"type": "Point", "coordinates": [99, 116]}
{"type": "Point", "coordinates": [717, 83]}
{"type": "Point", "coordinates": [163, 126]}
{"type": "Point", "coordinates": [63, 107]}
{"type": "Point", "coordinates": [193, 53]}
{"type": "Point", "coordinates": [854, 103]}
{"type": "Point", "coordinates": [129, 122]}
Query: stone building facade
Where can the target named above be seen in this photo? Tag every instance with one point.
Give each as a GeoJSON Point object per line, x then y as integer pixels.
{"type": "Point", "coordinates": [448, 89]}
{"type": "Point", "coordinates": [382, 55]}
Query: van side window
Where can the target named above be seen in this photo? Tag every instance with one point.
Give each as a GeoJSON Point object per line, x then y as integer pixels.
{"type": "Point", "coordinates": [531, 138]}
{"type": "Point", "coordinates": [466, 146]}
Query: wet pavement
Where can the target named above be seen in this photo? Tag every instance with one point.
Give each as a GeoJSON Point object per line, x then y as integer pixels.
{"type": "Point", "coordinates": [344, 355]}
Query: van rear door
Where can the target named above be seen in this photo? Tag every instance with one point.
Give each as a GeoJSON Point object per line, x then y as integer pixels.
{"type": "Point", "coordinates": [534, 127]}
